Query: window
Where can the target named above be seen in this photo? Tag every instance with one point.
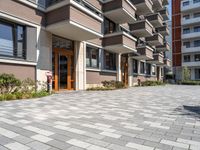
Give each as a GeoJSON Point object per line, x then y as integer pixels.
{"type": "Point", "coordinates": [197, 43]}
{"type": "Point", "coordinates": [186, 3]}
{"type": "Point", "coordinates": [109, 60]}
{"type": "Point", "coordinates": [109, 26]}
{"type": "Point", "coordinates": [196, 1]}
{"type": "Point", "coordinates": [197, 57]}
{"type": "Point", "coordinates": [186, 30]}
{"type": "Point", "coordinates": [148, 69]}
{"type": "Point", "coordinates": [12, 40]}
{"type": "Point", "coordinates": [153, 70]}
{"type": "Point", "coordinates": [142, 68]}
{"type": "Point", "coordinates": [92, 57]}
{"type": "Point", "coordinates": [135, 66]}
{"type": "Point", "coordinates": [187, 58]}
{"type": "Point", "coordinates": [197, 74]}
{"type": "Point", "coordinates": [197, 29]}
{"type": "Point", "coordinates": [197, 14]}
{"type": "Point", "coordinates": [186, 44]}
{"type": "Point", "coordinates": [186, 17]}
{"type": "Point", "coordinates": [162, 72]}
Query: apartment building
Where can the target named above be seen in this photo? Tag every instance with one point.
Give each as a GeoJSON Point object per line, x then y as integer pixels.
{"type": "Point", "coordinates": [84, 42]}
{"type": "Point", "coordinates": [186, 37]}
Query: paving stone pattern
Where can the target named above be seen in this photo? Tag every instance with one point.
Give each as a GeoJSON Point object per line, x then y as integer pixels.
{"type": "Point", "coordinates": [141, 118]}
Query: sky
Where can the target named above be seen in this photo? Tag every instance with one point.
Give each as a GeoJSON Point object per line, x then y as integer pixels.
{"type": "Point", "coordinates": [170, 8]}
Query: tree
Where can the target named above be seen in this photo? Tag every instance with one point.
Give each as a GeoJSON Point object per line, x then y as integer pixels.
{"type": "Point", "coordinates": [186, 74]}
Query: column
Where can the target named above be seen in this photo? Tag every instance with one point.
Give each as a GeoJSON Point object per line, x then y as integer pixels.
{"type": "Point", "coordinates": [80, 65]}
{"type": "Point", "coordinates": [119, 73]}
{"type": "Point", "coordinates": [130, 72]}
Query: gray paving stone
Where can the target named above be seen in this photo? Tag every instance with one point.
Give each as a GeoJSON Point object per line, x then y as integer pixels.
{"type": "Point", "coordinates": [103, 120]}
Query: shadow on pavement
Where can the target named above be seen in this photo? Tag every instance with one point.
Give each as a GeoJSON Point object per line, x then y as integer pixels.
{"type": "Point", "coordinates": [189, 110]}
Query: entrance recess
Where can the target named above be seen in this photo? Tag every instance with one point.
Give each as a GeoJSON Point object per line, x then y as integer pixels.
{"type": "Point", "coordinates": [63, 69]}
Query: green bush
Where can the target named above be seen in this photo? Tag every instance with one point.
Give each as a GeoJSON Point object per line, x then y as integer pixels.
{"type": "Point", "coordinates": [8, 83]}
{"type": "Point", "coordinates": [113, 84]}
{"type": "Point", "coordinates": [152, 83]}
{"type": "Point", "coordinates": [190, 82]}
{"type": "Point", "coordinates": [40, 94]}
{"type": "Point", "coordinates": [100, 88]}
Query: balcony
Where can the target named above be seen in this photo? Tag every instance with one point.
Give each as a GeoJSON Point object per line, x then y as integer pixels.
{"type": "Point", "coordinates": [191, 64]}
{"type": "Point", "coordinates": [143, 6]}
{"type": "Point", "coordinates": [163, 48]}
{"type": "Point", "coordinates": [119, 42]}
{"type": "Point", "coordinates": [164, 30]}
{"type": "Point", "coordinates": [167, 62]}
{"type": "Point", "coordinates": [155, 40]}
{"type": "Point", "coordinates": [190, 5]}
{"type": "Point", "coordinates": [190, 49]}
{"type": "Point", "coordinates": [164, 13]}
{"type": "Point", "coordinates": [190, 35]}
{"type": "Point", "coordinates": [144, 53]}
{"type": "Point", "coordinates": [120, 11]}
{"type": "Point", "coordinates": [142, 28]}
{"type": "Point", "coordinates": [190, 21]}
{"type": "Point", "coordinates": [157, 4]}
{"type": "Point", "coordinates": [158, 59]}
{"type": "Point", "coordinates": [77, 24]}
{"type": "Point", "coordinates": [165, 2]}
{"type": "Point", "coordinates": [155, 19]}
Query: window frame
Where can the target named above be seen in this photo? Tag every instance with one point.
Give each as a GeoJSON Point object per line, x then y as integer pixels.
{"type": "Point", "coordinates": [112, 59]}
{"type": "Point", "coordinates": [15, 40]}
{"type": "Point", "coordinates": [91, 49]}
{"type": "Point", "coordinates": [187, 60]}
{"type": "Point", "coordinates": [142, 69]}
{"type": "Point", "coordinates": [135, 66]}
{"type": "Point", "coordinates": [197, 57]}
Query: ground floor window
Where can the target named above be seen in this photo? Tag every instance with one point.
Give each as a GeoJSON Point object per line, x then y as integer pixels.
{"type": "Point", "coordinates": [142, 67]}
{"type": "Point", "coordinates": [109, 61]}
{"type": "Point", "coordinates": [12, 40]}
{"type": "Point", "coordinates": [148, 69]}
{"type": "Point", "coordinates": [197, 74]}
{"type": "Point", "coordinates": [135, 66]}
{"type": "Point", "coordinates": [153, 70]}
{"type": "Point", "coordinates": [162, 71]}
{"type": "Point", "coordinates": [92, 57]}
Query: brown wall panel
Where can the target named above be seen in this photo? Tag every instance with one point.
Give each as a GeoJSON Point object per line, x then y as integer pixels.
{"type": "Point", "coordinates": [95, 3]}
{"type": "Point", "coordinates": [22, 11]}
{"type": "Point", "coordinates": [93, 77]}
{"type": "Point", "coordinates": [177, 60]}
{"type": "Point", "coordinates": [20, 71]}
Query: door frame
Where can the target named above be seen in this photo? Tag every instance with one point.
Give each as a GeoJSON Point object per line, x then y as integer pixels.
{"type": "Point", "coordinates": [70, 76]}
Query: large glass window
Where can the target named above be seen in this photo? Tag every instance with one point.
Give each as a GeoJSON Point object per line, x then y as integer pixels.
{"type": "Point", "coordinates": [12, 40]}
{"type": "Point", "coordinates": [186, 17]}
{"type": "Point", "coordinates": [196, 1]}
{"type": "Point", "coordinates": [109, 60]}
{"type": "Point", "coordinates": [153, 70]}
{"type": "Point", "coordinates": [197, 74]}
{"type": "Point", "coordinates": [186, 58]}
{"type": "Point", "coordinates": [148, 69]}
{"type": "Point", "coordinates": [186, 30]}
{"type": "Point", "coordinates": [109, 26]}
{"type": "Point", "coordinates": [135, 66]}
{"type": "Point", "coordinates": [186, 3]}
{"type": "Point", "coordinates": [197, 14]}
{"type": "Point", "coordinates": [186, 44]}
{"type": "Point", "coordinates": [92, 57]}
{"type": "Point", "coordinates": [142, 67]}
{"type": "Point", "coordinates": [197, 43]}
{"type": "Point", "coordinates": [197, 57]}
{"type": "Point", "coordinates": [197, 29]}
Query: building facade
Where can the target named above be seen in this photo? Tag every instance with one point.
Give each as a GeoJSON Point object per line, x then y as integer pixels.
{"type": "Point", "coordinates": [186, 37]}
{"type": "Point", "coordinates": [84, 42]}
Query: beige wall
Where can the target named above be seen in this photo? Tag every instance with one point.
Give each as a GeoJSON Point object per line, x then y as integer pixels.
{"type": "Point", "coordinates": [20, 71]}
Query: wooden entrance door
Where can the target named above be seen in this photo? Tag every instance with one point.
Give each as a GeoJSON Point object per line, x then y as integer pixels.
{"type": "Point", "coordinates": [63, 69]}
{"type": "Point", "coordinates": [124, 69]}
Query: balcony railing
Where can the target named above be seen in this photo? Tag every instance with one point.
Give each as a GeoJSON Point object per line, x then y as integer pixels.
{"type": "Point", "coordinates": [189, 5]}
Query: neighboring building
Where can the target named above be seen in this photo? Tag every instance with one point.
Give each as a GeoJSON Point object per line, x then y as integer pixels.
{"type": "Point", "coordinates": [84, 42]}
{"type": "Point", "coordinates": [186, 37]}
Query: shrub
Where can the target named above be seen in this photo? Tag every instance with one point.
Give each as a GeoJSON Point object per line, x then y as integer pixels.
{"type": "Point", "coordinates": [100, 88]}
{"type": "Point", "coordinates": [152, 83]}
{"type": "Point", "coordinates": [28, 86]}
{"type": "Point", "coordinates": [190, 82]}
{"type": "Point", "coordinates": [113, 84]}
{"type": "Point", "coordinates": [186, 74]}
{"type": "Point", "coordinates": [8, 83]}
{"type": "Point", "coordinates": [40, 94]}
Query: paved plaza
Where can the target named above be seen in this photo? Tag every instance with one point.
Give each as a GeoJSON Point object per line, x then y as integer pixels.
{"type": "Point", "coordinates": [140, 118]}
